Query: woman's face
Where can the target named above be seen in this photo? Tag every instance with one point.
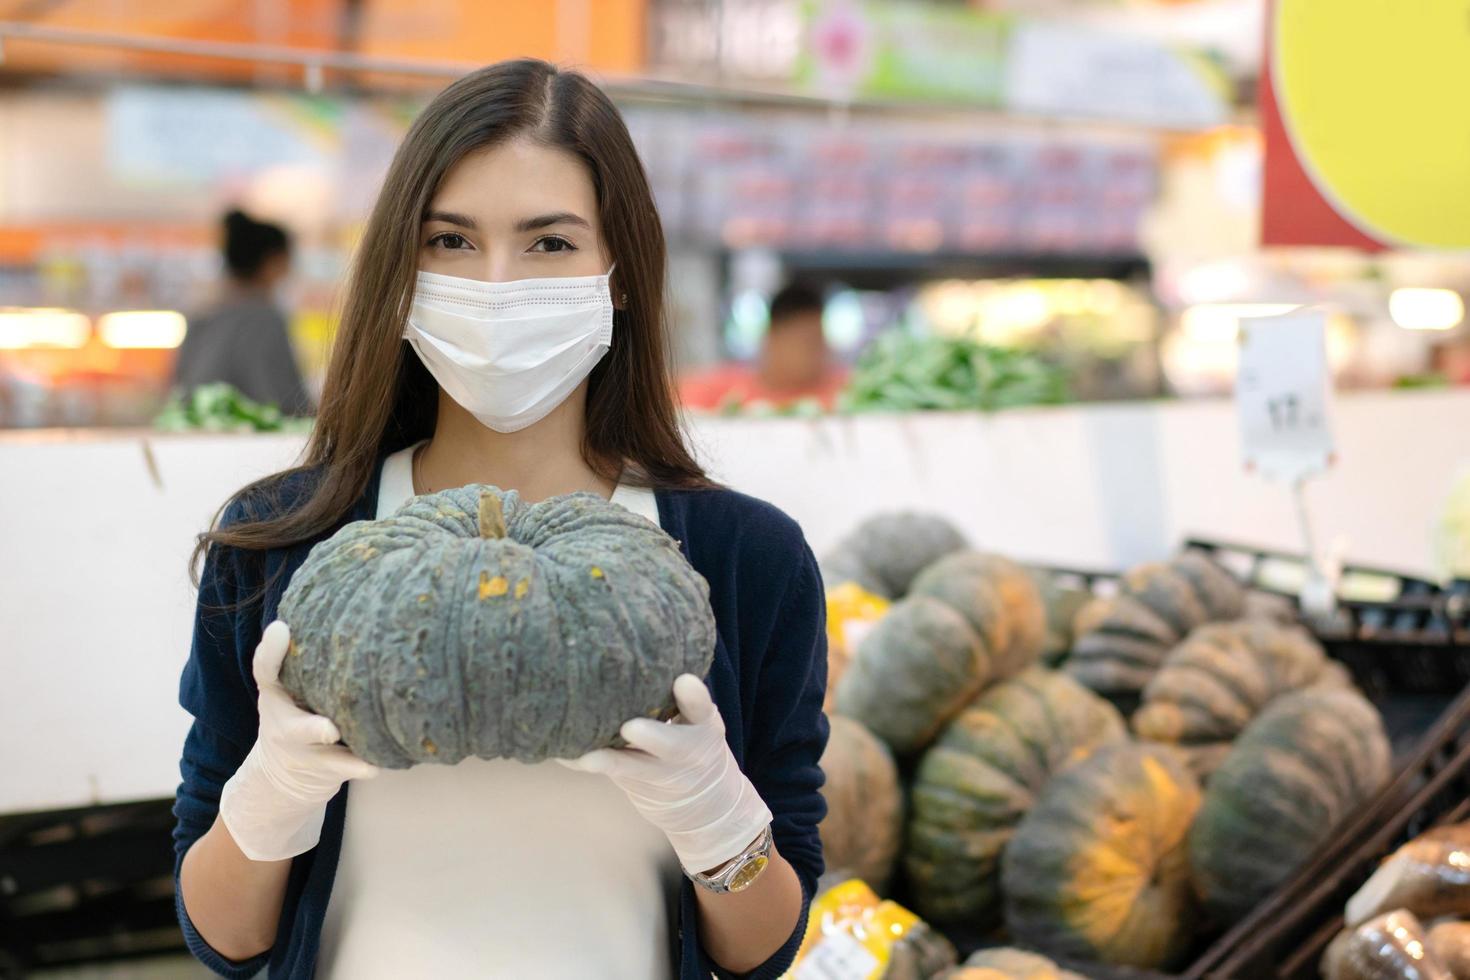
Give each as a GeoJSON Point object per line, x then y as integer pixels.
{"type": "Point", "coordinates": [518, 210]}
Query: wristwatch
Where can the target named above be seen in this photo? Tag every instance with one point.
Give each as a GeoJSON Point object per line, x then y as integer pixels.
{"type": "Point", "coordinates": [740, 872]}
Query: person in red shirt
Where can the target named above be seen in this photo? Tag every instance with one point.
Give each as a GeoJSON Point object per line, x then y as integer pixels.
{"type": "Point", "coordinates": [795, 363]}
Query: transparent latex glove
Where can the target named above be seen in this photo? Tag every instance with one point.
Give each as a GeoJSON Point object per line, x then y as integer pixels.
{"type": "Point", "coordinates": [681, 776]}
{"type": "Point", "coordinates": [274, 804]}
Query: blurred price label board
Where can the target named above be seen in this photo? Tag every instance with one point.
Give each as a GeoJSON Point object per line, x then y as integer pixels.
{"type": "Point", "coordinates": [1062, 70]}
{"type": "Point", "coordinates": [1283, 395]}
{"type": "Point", "coordinates": [1366, 118]}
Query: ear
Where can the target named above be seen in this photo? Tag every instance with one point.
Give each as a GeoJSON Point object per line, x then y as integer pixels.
{"type": "Point", "coordinates": [619, 297]}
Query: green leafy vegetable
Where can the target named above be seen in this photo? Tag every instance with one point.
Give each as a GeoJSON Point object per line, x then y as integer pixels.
{"type": "Point", "coordinates": [219, 407]}
{"type": "Point", "coordinates": [903, 372]}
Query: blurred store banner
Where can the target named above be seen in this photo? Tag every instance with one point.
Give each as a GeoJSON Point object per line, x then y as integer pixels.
{"type": "Point", "coordinates": [1076, 180]}
{"type": "Point", "coordinates": [1365, 136]}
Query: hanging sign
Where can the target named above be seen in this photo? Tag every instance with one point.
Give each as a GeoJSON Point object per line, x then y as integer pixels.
{"type": "Point", "coordinates": [1283, 395]}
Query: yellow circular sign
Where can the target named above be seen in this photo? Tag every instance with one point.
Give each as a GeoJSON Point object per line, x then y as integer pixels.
{"type": "Point", "coordinates": [1375, 95]}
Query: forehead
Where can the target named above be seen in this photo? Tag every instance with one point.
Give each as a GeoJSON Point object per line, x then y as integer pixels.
{"type": "Point", "coordinates": [513, 180]}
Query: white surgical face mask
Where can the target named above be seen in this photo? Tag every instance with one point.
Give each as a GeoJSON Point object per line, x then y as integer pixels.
{"type": "Point", "coordinates": [510, 352]}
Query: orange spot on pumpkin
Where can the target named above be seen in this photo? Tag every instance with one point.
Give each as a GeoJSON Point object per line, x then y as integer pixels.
{"type": "Point", "coordinates": [493, 587]}
{"type": "Point", "coordinates": [522, 587]}
{"type": "Point", "coordinates": [596, 572]}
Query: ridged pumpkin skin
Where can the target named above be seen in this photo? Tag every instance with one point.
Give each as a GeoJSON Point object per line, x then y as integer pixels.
{"type": "Point", "coordinates": [998, 597]}
{"type": "Point", "coordinates": [982, 776]}
{"type": "Point", "coordinates": [1214, 683]}
{"type": "Point", "coordinates": [863, 828]}
{"type": "Point", "coordinates": [1099, 870]}
{"type": "Point", "coordinates": [1310, 759]}
{"type": "Point", "coordinates": [473, 624]}
{"type": "Point", "coordinates": [886, 552]}
{"type": "Point", "coordinates": [1219, 592]}
{"type": "Point", "coordinates": [1120, 645]}
{"type": "Point", "coordinates": [915, 669]}
{"type": "Point", "coordinates": [1123, 641]}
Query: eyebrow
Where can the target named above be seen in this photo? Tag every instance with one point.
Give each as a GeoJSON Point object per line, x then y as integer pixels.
{"type": "Point", "coordinates": [525, 224]}
{"type": "Point", "coordinates": [547, 220]}
{"type": "Point", "coordinates": [452, 218]}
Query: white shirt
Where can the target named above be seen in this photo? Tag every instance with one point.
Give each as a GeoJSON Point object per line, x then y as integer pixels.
{"type": "Point", "coordinates": [498, 868]}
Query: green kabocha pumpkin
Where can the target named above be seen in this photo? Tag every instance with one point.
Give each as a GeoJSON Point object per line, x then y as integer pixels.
{"type": "Point", "coordinates": [998, 597]}
{"type": "Point", "coordinates": [1310, 759]}
{"type": "Point", "coordinates": [1008, 963]}
{"type": "Point", "coordinates": [1270, 607]}
{"type": "Point", "coordinates": [1120, 645]}
{"type": "Point", "coordinates": [1099, 869]}
{"type": "Point", "coordinates": [1214, 683]}
{"type": "Point", "coordinates": [1219, 592]}
{"type": "Point", "coordinates": [470, 623]}
{"type": "Point", "coordinates": [917, 666]}
{"type": "Point", "coordinates": [887, 551]}
{"type": "Point", "coordinates": [982, 776]}
{"type": "Point", "coordinates": [863, 828]}
{"type": "Point", "coordinates": [1122, 641]}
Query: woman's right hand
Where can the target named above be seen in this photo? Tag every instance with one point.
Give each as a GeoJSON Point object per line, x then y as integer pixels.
{"type": "Point", "coordinates": [274, 804]}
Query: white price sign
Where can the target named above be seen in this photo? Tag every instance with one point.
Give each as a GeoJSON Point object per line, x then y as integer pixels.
{"type": "Point", "coordinates": [838, 957]}
{"type": "Point", "coordinates": [1283, 394]}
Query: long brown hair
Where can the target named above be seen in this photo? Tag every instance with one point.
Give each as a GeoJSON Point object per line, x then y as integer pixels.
{"type": "Point", "coordinates": [378, 397]}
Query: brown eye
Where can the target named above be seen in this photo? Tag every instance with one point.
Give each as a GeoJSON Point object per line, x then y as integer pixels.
{"type": "Point", "coordinates": [553, 243]}
{"type": "Point", "coordinates": [448, 240]}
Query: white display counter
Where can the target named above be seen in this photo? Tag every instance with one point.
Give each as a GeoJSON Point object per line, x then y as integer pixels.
{"type": "Point", "coordinates": [96, 529]}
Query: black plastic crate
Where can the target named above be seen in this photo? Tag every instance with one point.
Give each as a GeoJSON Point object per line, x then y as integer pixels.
{"type": "Point", "coordinates": [86, 885]}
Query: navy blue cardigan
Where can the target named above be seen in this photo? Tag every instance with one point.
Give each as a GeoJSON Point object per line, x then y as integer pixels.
{"type": "Point", "coordinates": [768, 679]}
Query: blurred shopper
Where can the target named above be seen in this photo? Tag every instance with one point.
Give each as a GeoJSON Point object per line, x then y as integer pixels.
{"type": "Point", "coordinates": [241, 338]}
{"type": "Point", "coordinates": [794, 363]}
{"type": "Point", "coordinates": [504, 325]}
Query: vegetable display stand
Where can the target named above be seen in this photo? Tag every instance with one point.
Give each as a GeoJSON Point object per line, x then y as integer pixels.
{"type": "Point", "coordinates": [1285, 936]}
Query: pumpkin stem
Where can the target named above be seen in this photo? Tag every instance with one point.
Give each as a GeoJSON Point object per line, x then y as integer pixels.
{"type": "Point", "coordinates": [492, 516]}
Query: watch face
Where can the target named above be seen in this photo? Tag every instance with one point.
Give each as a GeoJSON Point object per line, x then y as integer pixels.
{"type": "Point", "coordinates": [747, 875]}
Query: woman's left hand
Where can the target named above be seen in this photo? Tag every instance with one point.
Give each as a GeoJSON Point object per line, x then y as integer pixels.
{"type": "Point", "coordinates": [682, 777]}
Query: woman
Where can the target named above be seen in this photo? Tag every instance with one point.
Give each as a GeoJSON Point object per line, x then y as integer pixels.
{"type": "Point", "coordinates": [242, 338]}
{"type": "Point", "coordinates": [514, 194]}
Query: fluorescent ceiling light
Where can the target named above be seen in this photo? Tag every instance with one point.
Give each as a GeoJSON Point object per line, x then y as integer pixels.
{"type": "Point", "coordinates": [142, 328]}
{"type": "Point", "coordinates": [1426, 309]}
{"type": "Point", "coordinates": [26, 328]}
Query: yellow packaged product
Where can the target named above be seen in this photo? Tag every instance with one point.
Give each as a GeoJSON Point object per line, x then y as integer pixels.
{"type": "Point", "coordinates": [853, 935]}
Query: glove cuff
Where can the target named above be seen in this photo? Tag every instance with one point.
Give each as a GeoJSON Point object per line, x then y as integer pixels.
{"type": "Point", "coordinates": [265, 826]}
{"type": "Point", "coordinates": [719, 843]}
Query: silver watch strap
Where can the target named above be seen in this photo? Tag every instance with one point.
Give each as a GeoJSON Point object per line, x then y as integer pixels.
{"type": "Point", "coordinates": [741, 871]}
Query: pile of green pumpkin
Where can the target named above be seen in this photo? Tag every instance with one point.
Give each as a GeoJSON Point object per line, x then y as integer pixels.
{"type": "Point", "coordinates": [1187, 749]}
